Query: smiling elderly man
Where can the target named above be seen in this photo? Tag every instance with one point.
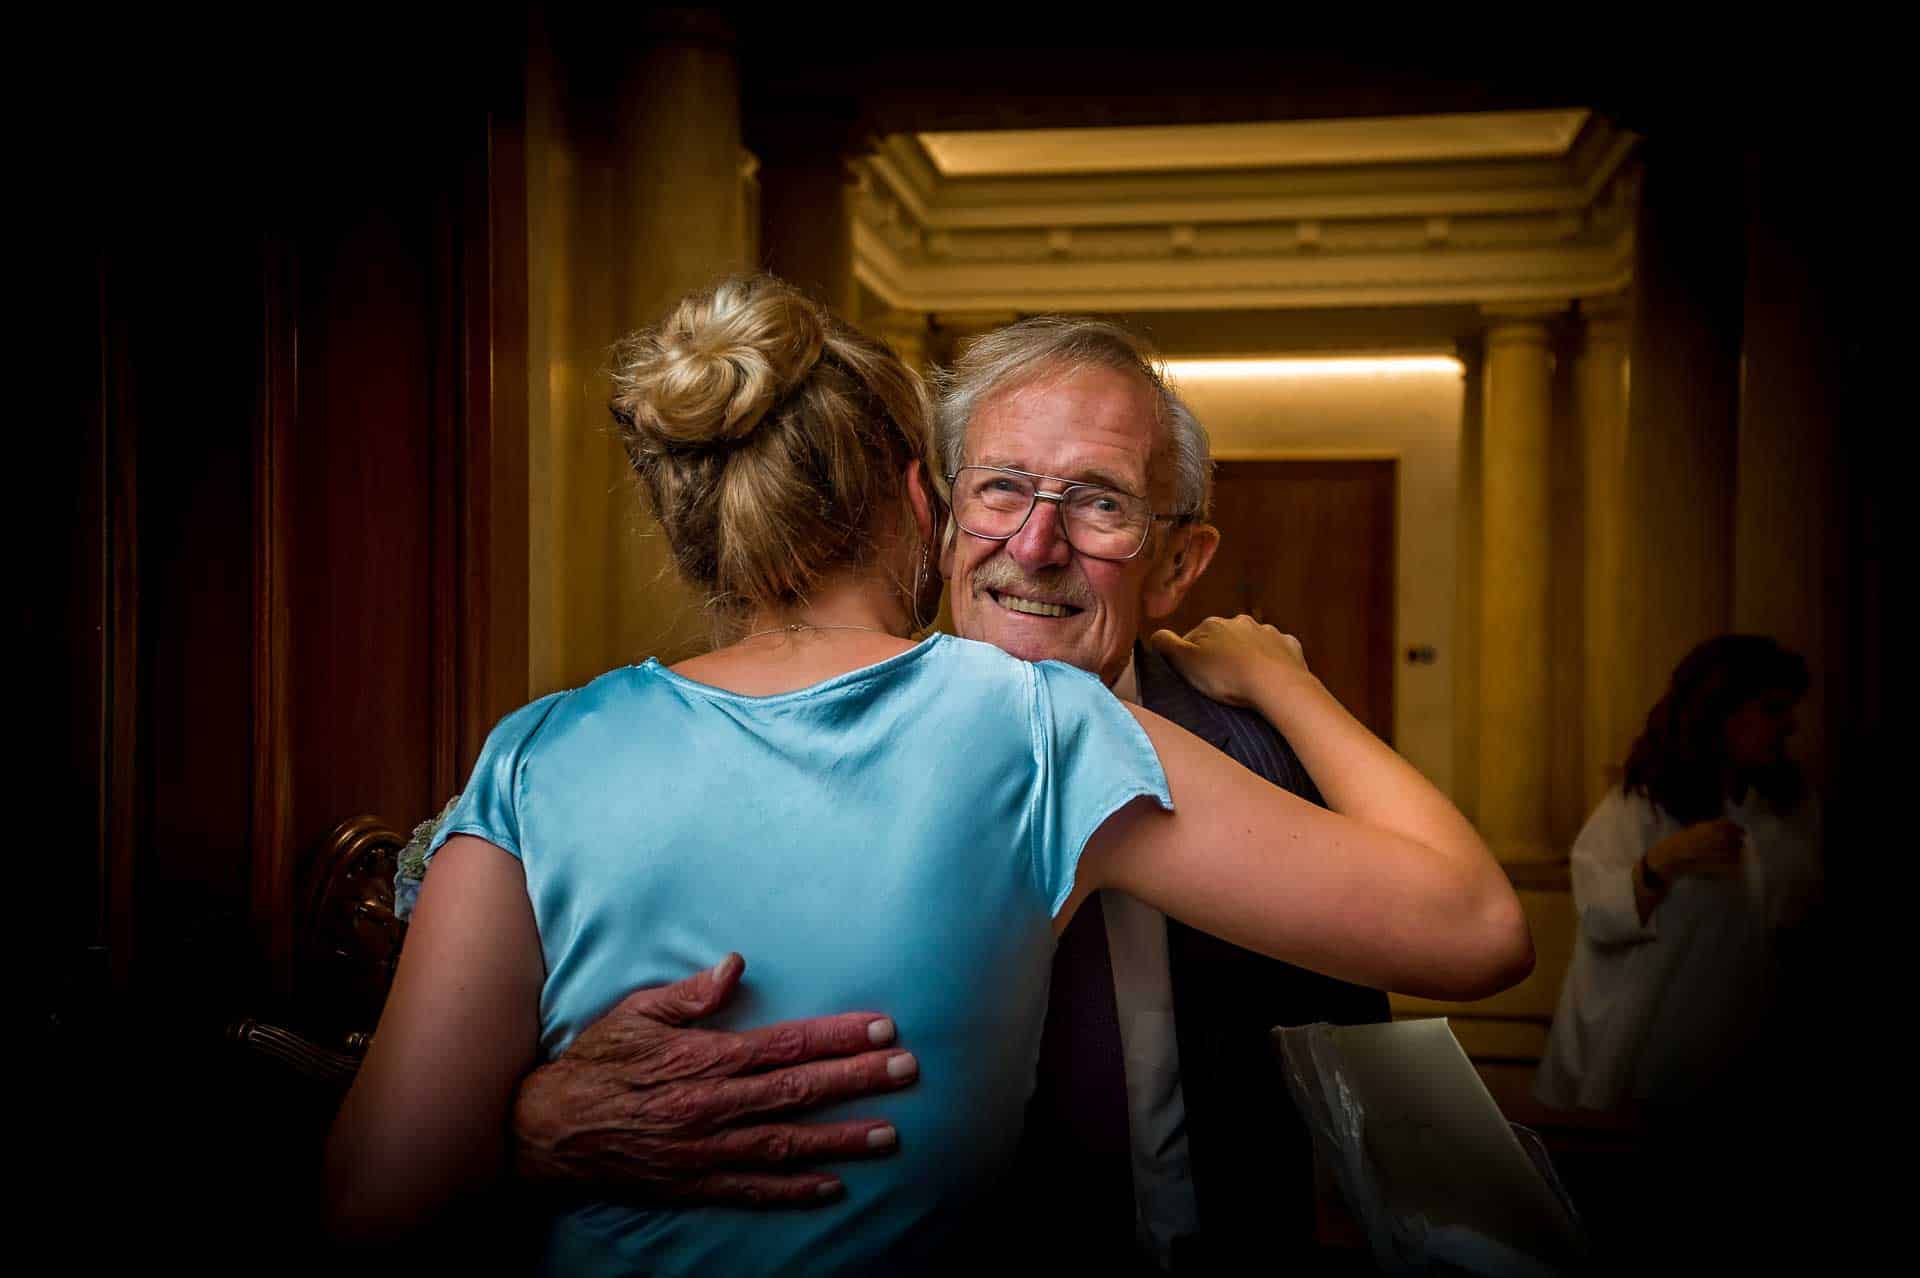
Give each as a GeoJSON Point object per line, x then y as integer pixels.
{"type": "Point", "coordinates": [1160, 1135]}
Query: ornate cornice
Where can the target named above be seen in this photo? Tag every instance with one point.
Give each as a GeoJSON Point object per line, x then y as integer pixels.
{"type": "Point", "coordinates": [1365, 235]}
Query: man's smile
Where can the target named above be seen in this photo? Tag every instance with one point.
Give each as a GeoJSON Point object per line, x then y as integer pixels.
{"type": "Point", "coordinates": [1032, 607]}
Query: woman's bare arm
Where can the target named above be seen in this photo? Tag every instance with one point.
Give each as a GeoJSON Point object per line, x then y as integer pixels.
{"type": "Point", "coordinates": [1393, 888]}
{"type": "Point", "coordinates": [426, 1119]}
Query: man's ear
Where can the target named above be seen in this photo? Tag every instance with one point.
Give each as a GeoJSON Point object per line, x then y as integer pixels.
{"type": "Point", "coordinates": [1187, 555]}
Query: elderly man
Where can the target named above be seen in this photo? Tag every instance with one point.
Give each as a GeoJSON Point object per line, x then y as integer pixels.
{"type": "Point", "coordinates": [1159, 1129]}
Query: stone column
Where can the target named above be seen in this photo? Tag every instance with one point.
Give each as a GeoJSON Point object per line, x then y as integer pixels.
{"type": "Point", "coordinates": [1466, 606]}
{"type": "Point", "coordinates": [1790, 568]}
{"type": "Point", "coordinates": [1600, 395]}
{"type": "Point", "coordinates": [678, 117]}
{"type": "Point", "coordinates": [807, 189]}
{"type": "Point", "coordinates": [1516, 556]}
{"type": "Point", "coordinates": [1566, 602]}
{"type": "Point", "coordinates": [1689, 279]}
{"type": "Point", "coordinates": [634, 198]}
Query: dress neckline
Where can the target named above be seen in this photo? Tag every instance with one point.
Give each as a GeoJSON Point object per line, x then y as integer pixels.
{"type": "Point", "coordinates": [825, 687]}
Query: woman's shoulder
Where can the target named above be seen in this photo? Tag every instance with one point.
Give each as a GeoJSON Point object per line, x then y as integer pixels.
{"type": "Point", "coordinates": [1042, 684]}
{"type": "Point", "coordinates": [1632, 804]}
{"type": "Point", "coordinates": [1621, 814]}
{"type": "Point", "coordinates": [546, 716]}
{"type": "Point", "coordinates": [519, 727]}
{"type": "Point", "coordinates": [973, 655]}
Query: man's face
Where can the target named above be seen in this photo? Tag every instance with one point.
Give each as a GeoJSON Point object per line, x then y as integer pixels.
{"type": "Point", "coordinates": [1034, 595]}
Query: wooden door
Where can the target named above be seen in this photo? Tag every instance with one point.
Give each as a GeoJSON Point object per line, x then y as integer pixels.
{"type": "Point", "coordinates": [1308, 546]}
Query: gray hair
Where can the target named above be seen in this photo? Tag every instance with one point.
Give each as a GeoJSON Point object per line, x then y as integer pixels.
{"type": "Point", "coordinates": [1023, 352]}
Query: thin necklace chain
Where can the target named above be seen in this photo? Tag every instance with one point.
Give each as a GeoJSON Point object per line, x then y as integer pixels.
{"type": "Point", "coordinates": [796, 627]}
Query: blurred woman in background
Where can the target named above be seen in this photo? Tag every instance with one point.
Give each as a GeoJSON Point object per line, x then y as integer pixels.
{"type": "Point", "coordinates": [1684, 878]}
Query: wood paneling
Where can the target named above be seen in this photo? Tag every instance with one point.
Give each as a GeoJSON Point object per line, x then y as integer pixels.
{"type": "Point", "coordinates": [1308, 546]}
{"type": "Point", "coordinates": [118, 651]}
{"type": "Point", "coordinates": [298, 586]}
{"type": "Point", "coordinates": [363, 471]}
{"type": "Point", "coordinates": [184, 295]}
{"type": "Point", "coordinates": [295, 588]}
{"type": "Point", "coordinates": [491, 619]}
{"type": "Point", "coordinates": [69, 651]}
{"type": "Point", "coordinates": [272, 830]}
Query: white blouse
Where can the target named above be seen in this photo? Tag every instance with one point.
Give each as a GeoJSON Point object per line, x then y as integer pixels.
{"type": "Point", "coordinates": [1656, 1011]}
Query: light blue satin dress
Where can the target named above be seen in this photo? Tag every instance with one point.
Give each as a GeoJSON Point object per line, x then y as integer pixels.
{"type": "Point", "coordinates": [897, 839]}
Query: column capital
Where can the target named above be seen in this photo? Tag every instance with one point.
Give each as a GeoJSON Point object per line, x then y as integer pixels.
{"type": "Point", "coordinates": [1540, 312]}
{"type": "Point", "coordinates": [1471, 350]}
{"type": "Point", "coordinates": [1528, 323]}
{"type": "Point", "coordinates": [1605, 318]}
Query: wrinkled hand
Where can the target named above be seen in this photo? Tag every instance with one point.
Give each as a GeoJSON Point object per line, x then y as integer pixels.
{"type": "Point", "coordinates": [644, 1107]}
{"type": "Point", "coordinates": [1706, 850]}
{"type": "Point", "coordinates": [1226, 660]}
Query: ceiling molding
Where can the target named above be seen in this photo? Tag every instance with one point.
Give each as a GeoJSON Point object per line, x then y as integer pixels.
{"type": "Point", "coordinates": [1367, 235]}
{"type": "Point", "coordinates": [1295, 281]}
{"type": "Point", "coordinates": [1267, 144]}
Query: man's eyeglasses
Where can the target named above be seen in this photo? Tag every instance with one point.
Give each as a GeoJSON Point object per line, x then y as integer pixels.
{"type": "Point", "coordinates": [994, 502]}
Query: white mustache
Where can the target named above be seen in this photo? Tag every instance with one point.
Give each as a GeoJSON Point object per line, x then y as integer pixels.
{"type": "Point", "coordinates": [1006, 578]}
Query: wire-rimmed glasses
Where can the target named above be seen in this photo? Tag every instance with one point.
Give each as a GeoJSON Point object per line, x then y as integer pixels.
{"type": "Point", "coordinates": [995, 502]}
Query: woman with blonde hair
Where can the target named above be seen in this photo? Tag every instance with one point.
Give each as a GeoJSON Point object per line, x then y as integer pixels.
{"type": "Point", "coordinates": [896, 824]}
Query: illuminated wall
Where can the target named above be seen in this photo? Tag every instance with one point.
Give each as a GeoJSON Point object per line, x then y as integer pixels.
{"type": "Point", "coordinates": [1405, 407]}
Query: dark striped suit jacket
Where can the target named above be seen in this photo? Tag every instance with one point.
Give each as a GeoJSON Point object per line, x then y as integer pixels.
{"type": "Point", "coordinates": [1252, 1156]}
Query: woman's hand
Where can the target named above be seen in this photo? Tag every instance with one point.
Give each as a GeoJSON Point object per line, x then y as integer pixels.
{"type": "Point", "coordinates": [1705, 850]}
{"type": "Point", "coordinates": [1229, 660]}
{"type": "Point", "coordinates": [1401, 894]}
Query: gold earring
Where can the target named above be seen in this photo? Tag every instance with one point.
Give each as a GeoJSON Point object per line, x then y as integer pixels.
{"type": "Point", "coordinates": [919, 588]}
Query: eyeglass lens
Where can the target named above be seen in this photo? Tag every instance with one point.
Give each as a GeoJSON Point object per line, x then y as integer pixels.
{"type": "Point", "coordinates": [1099, 521]}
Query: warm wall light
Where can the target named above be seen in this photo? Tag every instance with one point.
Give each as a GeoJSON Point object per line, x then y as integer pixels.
{"type": "Point", "coordinates": [1196, 370]}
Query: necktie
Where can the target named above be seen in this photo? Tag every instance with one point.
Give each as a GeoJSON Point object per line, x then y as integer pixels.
{"type": "Point", "coordinates": [1081, 1089]}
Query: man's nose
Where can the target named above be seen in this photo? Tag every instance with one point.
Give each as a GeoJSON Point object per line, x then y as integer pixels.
{"type": "Point", "coordinates": [1042, 540]}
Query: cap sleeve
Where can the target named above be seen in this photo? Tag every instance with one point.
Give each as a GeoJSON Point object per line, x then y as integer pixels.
{"type": "Point", "coordinates": [489, 808]}
{"type": "Point", "coordinates": [1094, 758]}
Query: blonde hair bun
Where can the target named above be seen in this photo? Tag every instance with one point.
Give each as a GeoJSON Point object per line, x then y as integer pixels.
{"type": "Point", "coordinates": [767, 436]}
{"type": "Point", "coordinates": [706, 377]}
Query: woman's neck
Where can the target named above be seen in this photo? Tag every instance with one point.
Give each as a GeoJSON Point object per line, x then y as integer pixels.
{"type": "Point", "coordinates": [852, 602]}
{"type": "Point", "coordinates": [844, 626]}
